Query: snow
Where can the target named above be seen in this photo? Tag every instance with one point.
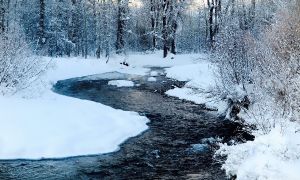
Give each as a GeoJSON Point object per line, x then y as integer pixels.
{"type": "Point", "coordinates": [154, 59]}
{"type": "Point", "coordinates": [152, 79]}
{"type": "Point", "coordinates": [62, 127]}
{"type": "Point", "coordinates": [154, 73]}
{"type": "Point", "coordinates": [38, 123]}
{"type": "Point", "coordinates": [201, 81]}
{"type": "Point", "coordinates": [121, 83]}
{"type": "Point", "coordinates": [273, 156]}
{"type": "Point", "coordinates": [200, 75]}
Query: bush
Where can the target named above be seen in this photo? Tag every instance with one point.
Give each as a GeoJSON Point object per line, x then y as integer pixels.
{"type": "Point", "coordinates": [18, 67]}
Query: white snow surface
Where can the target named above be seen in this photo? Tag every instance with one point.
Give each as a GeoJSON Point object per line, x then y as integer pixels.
{"type": "Point", "coordinates": [152, 79]}
{"type": "Point", "coordinates": [201, 80]}
{"type": "Point", "coordinates": [62, 126]}
{"type": "Point", "coordinates": [121, 83]}
{"type": "Point", "coordinates": [154, 73]}
{"type": "Point", "coordinates": [273, 156]}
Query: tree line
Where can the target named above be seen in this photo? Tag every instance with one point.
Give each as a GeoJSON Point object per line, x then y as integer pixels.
{"type": "Point", "coordinates": [101, 27]}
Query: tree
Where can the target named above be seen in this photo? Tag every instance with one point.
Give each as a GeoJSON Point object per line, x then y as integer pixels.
{"type": "Point", "coordinates": [214, 9]}
{"type": "Point", "coordinates": [2, 16]}
{"type": "Point", "coordinates": [121, 27]}
{"type": "Point", "coordinates": [154, 12]}
{"type": "Point", "coordinates": [165, 7]}
{"type": "Point", "coordinates": [42, 27]}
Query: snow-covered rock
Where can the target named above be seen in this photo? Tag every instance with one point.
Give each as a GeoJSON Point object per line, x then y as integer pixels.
{"type": "Point", "coordinates": [152, 79]}
{"type": "Point", "coordinates": [121, 83]}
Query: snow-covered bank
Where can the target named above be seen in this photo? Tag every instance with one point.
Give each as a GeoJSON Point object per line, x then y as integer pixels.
{"type": "Point", "coordinates": [62, 126]}
{"type": "Point", "coordinates": [201, 81]}
{"type": "Point", "coordinates": [273, 156]}
{"type": "Point", "coordinates": [37, 123]}
{"type": "Point", "coordinates": [47, 125]}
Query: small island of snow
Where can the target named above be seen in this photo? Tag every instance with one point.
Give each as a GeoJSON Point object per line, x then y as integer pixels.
{"type": "Point", "coordinates": [121, 83]}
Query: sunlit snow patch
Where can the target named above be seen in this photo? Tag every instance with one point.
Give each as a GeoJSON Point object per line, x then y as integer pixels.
{"type": "Point", "coordinates": [152, 79]}
{"type": "Point", "coordinates": [121, 83]}
{"type": "Point", "coordinates": [154, 73]}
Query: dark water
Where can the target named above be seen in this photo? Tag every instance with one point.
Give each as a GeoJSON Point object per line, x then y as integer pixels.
{"type": "Point", "coordinates": [174, 146]}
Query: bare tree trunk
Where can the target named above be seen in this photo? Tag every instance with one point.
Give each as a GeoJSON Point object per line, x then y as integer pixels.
{"type": "Point", "coordinates": [252, 12]}
{"type": "Point", "coordinates": [121, 26]}
{"type": "Point", "coordinates": [2, 16]}
{"type": "Point", "coordinates": [214, 9]}
{"type": "Point", "coordinates": [210, 21]}
{"type": "Point", "coordinates": [41, 32]}
{"type": "Point", "coordinates": [154, 23]}
{"type": "Point", "coordinates": [165, 28]}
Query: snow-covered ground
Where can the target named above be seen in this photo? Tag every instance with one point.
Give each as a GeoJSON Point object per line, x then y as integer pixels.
{"type": "Point", "coordinates": [59, 126]}
{"type": "Point", "coordinates": [201, 81]}
{"type": "Point", "coordinates": [152, 79]}
{"type": "Point", "coordinates": [38, 123]}
{"type": "Point", "coordinates": [273, 156]}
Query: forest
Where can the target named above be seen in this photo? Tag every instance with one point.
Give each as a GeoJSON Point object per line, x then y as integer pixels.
{"type": "Point", "coordinates": [161, 89]}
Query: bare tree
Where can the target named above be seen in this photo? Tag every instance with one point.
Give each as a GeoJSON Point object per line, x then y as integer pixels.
{"type": "Point", "coordinates": [121, 28]}
{"type": "Point", "coordinates": [2, 16]}
{"type": "Point", "coordinates": [42, 28]}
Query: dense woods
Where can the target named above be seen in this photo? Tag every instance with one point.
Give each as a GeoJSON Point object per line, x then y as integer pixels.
{"type": "Point", "coordinates": [100, 27]}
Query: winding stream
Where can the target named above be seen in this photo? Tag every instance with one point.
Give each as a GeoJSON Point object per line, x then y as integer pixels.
{"type": "Point", "coordinates": [174, 147]}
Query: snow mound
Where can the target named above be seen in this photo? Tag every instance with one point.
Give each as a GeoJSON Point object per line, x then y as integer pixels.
{"type": "Point", "coordinates": [201, 80]}
{"type": "Point", "coordinates": [121, 83]}
{"type": "Point", "coordinates": [152, 79]}
{"type": "Point", "coordinates": [200, 75]}
{"type": "Point", "coordinates": [154, 73]}
{"type": "Point", "coordinates": [61, 126]}
{"type": "Point", "coordinates": [273, 156]}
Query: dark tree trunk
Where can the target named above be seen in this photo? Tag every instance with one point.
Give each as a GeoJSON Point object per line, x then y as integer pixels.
{"type": "Point", "coordinates": [165, 28]}
{"type": "Point", "coordinates": [153, 24]}
{"type": "Point", "coordinates": [41, 32]}
{"type": "Point", "coordinates": [174, 24]}
{"type": "Point", "coordinates": [210, 22]}
{"type": "Point", "coordinates": [2, 16]}
{"type": "Point", "coordinates": [173, 39]}
{"type": "Point", "coordinates": [214, 9]}
{"type": "Point", "coordinates": [252, 12]}
{"type": "Point", "coordinates": [74, 30]}
{"type": "Point", "coordinates": [121, 26]}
